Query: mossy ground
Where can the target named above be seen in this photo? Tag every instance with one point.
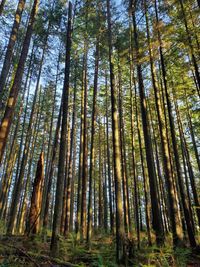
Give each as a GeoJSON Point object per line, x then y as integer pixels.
{"type": "Point", "coordinates": [18, 251]}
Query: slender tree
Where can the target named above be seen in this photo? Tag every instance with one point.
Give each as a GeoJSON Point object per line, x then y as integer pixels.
{"type": "Point", "coordinates": [10, 108]}
{"type": "Point", "coordinates": [11, 44]}
{"type": "Point", "coordinates": [116, 145]}
{"type": "Point", "coordinates": [62, 153]}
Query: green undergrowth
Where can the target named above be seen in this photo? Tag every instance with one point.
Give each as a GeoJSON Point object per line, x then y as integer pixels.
{"type": "Point", "coordinates": [22, 251]}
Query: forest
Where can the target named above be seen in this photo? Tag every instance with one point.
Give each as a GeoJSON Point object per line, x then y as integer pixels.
{"type": "Point", "coordinates": [99, 133]}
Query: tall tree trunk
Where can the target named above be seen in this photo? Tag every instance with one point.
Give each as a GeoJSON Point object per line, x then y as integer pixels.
{"type": "Point", "coordinates": [10, 47]}
{"type": "Point", "coordinates": [156, 211]}
{"type": "Point", "coordinates": [66, 178]}
{"type": "Point", "coordinates": [36, 199]}
{"type": "Point", "coordinates": [26, 149]}
{"type": "Point", "coordinates": [174, 142]}
{"type": "Point", "coordinates": [173, 208]}
{"type": "Point", "coordinates": [135, 178]}
{"type": "Point", "coordinates": [71, 224]}
{"type": "Point", "coordinates": [100, 209]}
{"type": "Point", "coordinates": [192, 133]}
{"type": "Point", "coordinates": [116, 146]}
{"type": "Point", "coordinates": [108, 162]}
{"type": "Point", "coordinates": [10, 108]}
{"type": "Point", "coordinates": [62, 153]}
{"type": "Point", "coordinates": [51, 170]}
{"type": "Point", "coordinates": [50, 151]}
{"type": "Point", "coordinates": [70, 168]}
{"type": "Point", "coordinates": [85, 145]}
{"type": "Point", "coordinates": [187, 156]}
{"type": "Point", "coordinates": [123, 156]}
{"type": "Point", "coordinates": [144, 174]}
{"type": "Point", "coordinates": [194, 61]}
{"type": "Point", "coordinates": [78, 213]}
{"type": "Point", "coordinates": [92, 153]}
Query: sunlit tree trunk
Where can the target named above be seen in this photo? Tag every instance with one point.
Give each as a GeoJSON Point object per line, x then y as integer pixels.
{"type": "Point", "coordinates": [70, 179]}
{"type": "Point", "coordinates": [108, 162]}
{"type": "Point", "coordinates": [176, 227]}
{"type": "Point", "coordinates": [92, 156]}
{"type": "Point", "coordinates": [36, 199]}
{"type": "Point", "coordinates": [174, 142]}
{"type": "Point", "coordinates": [116, 146]}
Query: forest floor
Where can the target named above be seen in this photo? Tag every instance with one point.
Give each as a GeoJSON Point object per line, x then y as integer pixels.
{"type": "Point", "coordinates": [18, 251]}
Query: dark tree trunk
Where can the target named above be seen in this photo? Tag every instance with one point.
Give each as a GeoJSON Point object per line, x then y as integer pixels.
{"type": "Point", "coordinates": [116, 147]}
{"type": "Point", "coordinates": [10, 108]}
{"type": "Point", "coordinates": [156, 211]}
{"type": "Point", "coordinates": [62, 154]}
{"type": "Point", "coordinates": [174, 143]}
{"type": "Point", "coordinates": [10, 47]}
{"type": "Point", "coordinates": [173, 209]}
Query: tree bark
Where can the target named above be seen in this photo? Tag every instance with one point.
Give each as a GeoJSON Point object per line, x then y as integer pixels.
{"type": "Point", "coordinates": [36, 199]}
{"type": "Point", "coordinates": [173, 208]}
{"type": "Point", "coordinates": [10, 108]}
{"type": "Point", "coordinates": [174, 142]}
{"type": "Point", "coordinates": [10, 47]}
{"type": "Point", "coordinates": [116, 147]}
{"type": "Point", "coordinates": [156, 211]}
{"type": "Point", "coordinates": [62, 153]}
{"type": "Point", "coordinates": [92, 156]}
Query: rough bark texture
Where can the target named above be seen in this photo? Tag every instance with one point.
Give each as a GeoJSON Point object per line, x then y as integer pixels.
{"type": "Point", "coordinates": [36, 199]}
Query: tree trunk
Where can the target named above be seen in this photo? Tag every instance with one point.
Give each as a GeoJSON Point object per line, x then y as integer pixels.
{"type": "Point", "coordinates": [123, 156]}
{"type": "Point", "coordinates": [85, 145]}
{"type": "Point", "coordinates": [187, 156]}
{"type": "Point", "coordinates": [174, 142]}
{"type": "Point", "coordinates": [92, 156]}
{"type": "Point", "coordinates": [116, 147]}
{"type": "Point", "coordinates": [51, 170]}
{"type": "Point", "coordinates": [26, 149]}
{"type": "Point", "coordinates": [70, 167]}
{"type": "Point", "coordinates": [10, 47]}
{"type": "Point", "coordinates": [10, 108]}
{"type": "Point", "coordinates": [194, 61]}
{"type": "Point", "coordinates": [173, 208]}
{"type": "Point", "coordinates": [156, 211]}
{"type": "Point", "coordinates": [62, 153]}
{"type": "Point", "coordinates": [135, 178]}
{"type": "Point", "coordinates": [33, 226]}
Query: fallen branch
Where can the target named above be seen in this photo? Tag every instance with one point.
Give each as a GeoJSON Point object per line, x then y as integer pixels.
{"type": "Point", "coordinates": [24, 253]}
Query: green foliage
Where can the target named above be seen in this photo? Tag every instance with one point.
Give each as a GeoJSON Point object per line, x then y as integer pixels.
{"type": "Point", "coordinates": [2, 227]}
{"type": "Point", "coordinates": [182, 255]}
